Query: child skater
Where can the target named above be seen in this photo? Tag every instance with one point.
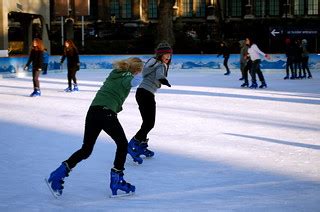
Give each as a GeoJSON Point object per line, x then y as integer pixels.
{"type": "Point", "coordinates": [154, 74]}
{"type": "Point", "coordinates": [36, 58]}
{"type": "Point", "coordinates": [102, 115]}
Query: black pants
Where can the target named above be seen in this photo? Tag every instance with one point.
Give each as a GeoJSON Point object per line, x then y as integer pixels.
{"type": "Point", "coordinates": [297, 67]}
{"type": "Point", "coordinates": [99, 118]}
{"type": "Point", "coordinates": [289, 66]}
{"type": "Point", "coordinates": [225, 63]}
{"type": "Point", "coordinates": [35, 78]}
{"type": "Point", "coordinates": [305, 66]}
{"type": "Point", "coordinates": [147, 107]}
{"type": "Point", "coordinates": [245, 70]}
{"type": "Point", "coordinates": [255, 69]}
{"type": "Point", "coordinates": [72, 76]}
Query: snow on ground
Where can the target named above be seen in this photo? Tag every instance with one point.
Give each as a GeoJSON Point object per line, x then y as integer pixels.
{"type": "Point", "coordinates": [218, 147]}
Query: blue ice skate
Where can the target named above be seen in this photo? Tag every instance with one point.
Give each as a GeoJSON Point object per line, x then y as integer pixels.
{"type": "Point", "coordinates": [68, 90]}
{"type": "Point", "coordinates": [263, 85]}
{"type": "Point", "coordinates": [35, 93]}
{"type": "Point", "coordinates": [56, 179]}
{"type": "Point", "coordinates": [75, 87]}
{"type": "Point", "coordinates": [118, 183]}
{"type": "Point", "coordinates": [145, 151]}
{"type": "Point", "coordinates": [135, 150]}
{"type": "Point", "coordinates": [253, 85]}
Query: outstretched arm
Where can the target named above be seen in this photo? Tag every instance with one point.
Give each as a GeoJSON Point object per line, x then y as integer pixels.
{"type": "Point", "coordinates": [164, 81]}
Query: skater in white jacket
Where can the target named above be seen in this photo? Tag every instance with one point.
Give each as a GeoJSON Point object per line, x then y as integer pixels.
{"type": "Point", "coordinates": [254, 54]}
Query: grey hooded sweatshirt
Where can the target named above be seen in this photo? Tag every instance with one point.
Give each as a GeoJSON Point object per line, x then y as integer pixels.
{"type": "Point", "coordinates": [153, 71]}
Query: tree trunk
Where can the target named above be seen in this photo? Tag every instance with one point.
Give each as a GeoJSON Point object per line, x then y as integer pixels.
{"type": "Point", "coordinates": [165, 25]}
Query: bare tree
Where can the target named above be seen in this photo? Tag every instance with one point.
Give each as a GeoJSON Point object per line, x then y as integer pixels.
{"type": "Point", "coordinates": [165, 26]}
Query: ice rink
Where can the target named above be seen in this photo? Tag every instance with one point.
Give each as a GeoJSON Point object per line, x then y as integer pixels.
{"type": "Point", "coordinates": [218, 147]}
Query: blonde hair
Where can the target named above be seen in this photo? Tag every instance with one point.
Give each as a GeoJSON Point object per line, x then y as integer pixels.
{"type": "Point", "coordinates": [132, 64]}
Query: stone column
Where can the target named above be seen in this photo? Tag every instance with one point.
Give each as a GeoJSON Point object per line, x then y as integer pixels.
{"type": "Point", "coordinates": [3, 26]}
{"type": "Point", "coordinates": [249, 14]}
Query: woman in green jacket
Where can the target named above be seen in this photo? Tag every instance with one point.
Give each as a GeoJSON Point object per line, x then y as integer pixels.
{"type": "Point", "coordinates": [102, 115]}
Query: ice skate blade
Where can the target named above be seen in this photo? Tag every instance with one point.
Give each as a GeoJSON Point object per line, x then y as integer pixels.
{"type": "Point", "coordinates": [122, 195]}
{"type": "Point", "coordinates": [54, 194]}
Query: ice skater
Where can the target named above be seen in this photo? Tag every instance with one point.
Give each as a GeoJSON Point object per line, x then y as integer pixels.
{"type": "Point", "coordinates": [45, 62]}
{"type": "Point", "coordinates": [254, 54]}
{"type": "Point", "coordinates": [36, 58]}
{"type": "Point", "coordinates": [245, 63]}
{"type": "Point", "coordinates": [305, 59]}
{"type": "Point", "coordinates": [102, 115]}
{"type": "Point", "coordinates": [297, 59]}
{"type": "Point", "coordinates": [154, 75]}
{"type": "Point", "coordinates": [289, 51]}
{"type": "Point", "coordinates": [224, 50]}
{"type": "Point", "coordinates": [71, 53]}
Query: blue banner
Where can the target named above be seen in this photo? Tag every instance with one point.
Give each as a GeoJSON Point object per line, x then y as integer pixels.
{"type": "Point", "coordinates": [277, 61]}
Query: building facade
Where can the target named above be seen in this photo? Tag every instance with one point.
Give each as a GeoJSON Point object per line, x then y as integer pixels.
{"type": "Point", "coordinates": [201, 23]}
{"type": "Point", "coordinates": [130, 26]}
{"type": "Point", "coordinates": [20, 22]}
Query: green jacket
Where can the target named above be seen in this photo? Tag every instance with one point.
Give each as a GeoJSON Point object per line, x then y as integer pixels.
{"type": "Point", "coordinates": [114, 91]}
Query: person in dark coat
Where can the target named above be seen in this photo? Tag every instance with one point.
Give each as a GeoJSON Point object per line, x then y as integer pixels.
{"type": "Point", "coordinates": [71, 53]}
{"type": "Point", "coordinates": [297, 59]}
{"type": "Point", "coordinates": [36, 58]}
{"type": "Point", "coordinates": [289, 51]}
{"type": "Point", "coordinates": [245, 63]}
{"type": "Point", "coordinates": [225, 52]}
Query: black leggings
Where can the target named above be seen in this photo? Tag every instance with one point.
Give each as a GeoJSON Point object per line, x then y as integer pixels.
{"type": "Point", "coordinates": [72, 76]}
{"type": "Point", "coordinates": [289, 66]}
{"type": "Point", "coordinates": [225, 63]}
{"type": "Point", "coordinates": [147, 107]}
{"type": "Point", "coordinates": [35, 78]}
{"type": "Point", "coordinates": [99, 118]}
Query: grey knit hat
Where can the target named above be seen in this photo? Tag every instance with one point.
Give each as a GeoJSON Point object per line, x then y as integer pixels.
{"type": "Point", "coordinates": [163, 48]}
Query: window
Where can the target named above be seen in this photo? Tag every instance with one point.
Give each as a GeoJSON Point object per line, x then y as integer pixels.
{"type": "Point", "coordinates": [114, 8]}
{"type": "Point", "coordinates": [187, 8]}
{"type": "Point", "coordinates": [299, 7]}
{"type": "Point", "coordinates": [153, 9]}
{"type": "Point", "coordinates": [126, 9]}
{"type": "Point", "coordinates": [234, 8]}
{"type": "Point", "coordinates": [200, 7]}
{"type": "Point", "coordinates": [274, 8]}
{"type": "Point", "coordinates": [259, 7]}
{"type": "Point", "coordinates": [313, 7]}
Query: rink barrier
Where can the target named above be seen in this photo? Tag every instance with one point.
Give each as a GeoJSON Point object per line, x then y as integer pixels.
{"type": "Point", "coordinates": [11, 66]}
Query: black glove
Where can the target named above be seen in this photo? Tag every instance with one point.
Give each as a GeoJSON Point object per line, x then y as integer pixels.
{"type": "Point", "coordinates": [164, 82]}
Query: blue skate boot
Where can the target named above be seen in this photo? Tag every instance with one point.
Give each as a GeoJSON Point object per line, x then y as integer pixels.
{"type": "Point", "coordinates": [263, 85]}
{"type": "Point", "coordinates": [254, 85]}
{"type": "Point", "coordinates": [118, 183]}
{"type": "Point", "coordinates": [68, 90]}
{"type": "Point", "coordinates": [56, 179]}
{"type": "Point", "coordinates": [146, 152]}
{"type": "Point", "coordinates": [135, 150]}
{"type": "Point", "coordinates": [75, 87]}
{"type": "Point", "coordinates": [35, 93]}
